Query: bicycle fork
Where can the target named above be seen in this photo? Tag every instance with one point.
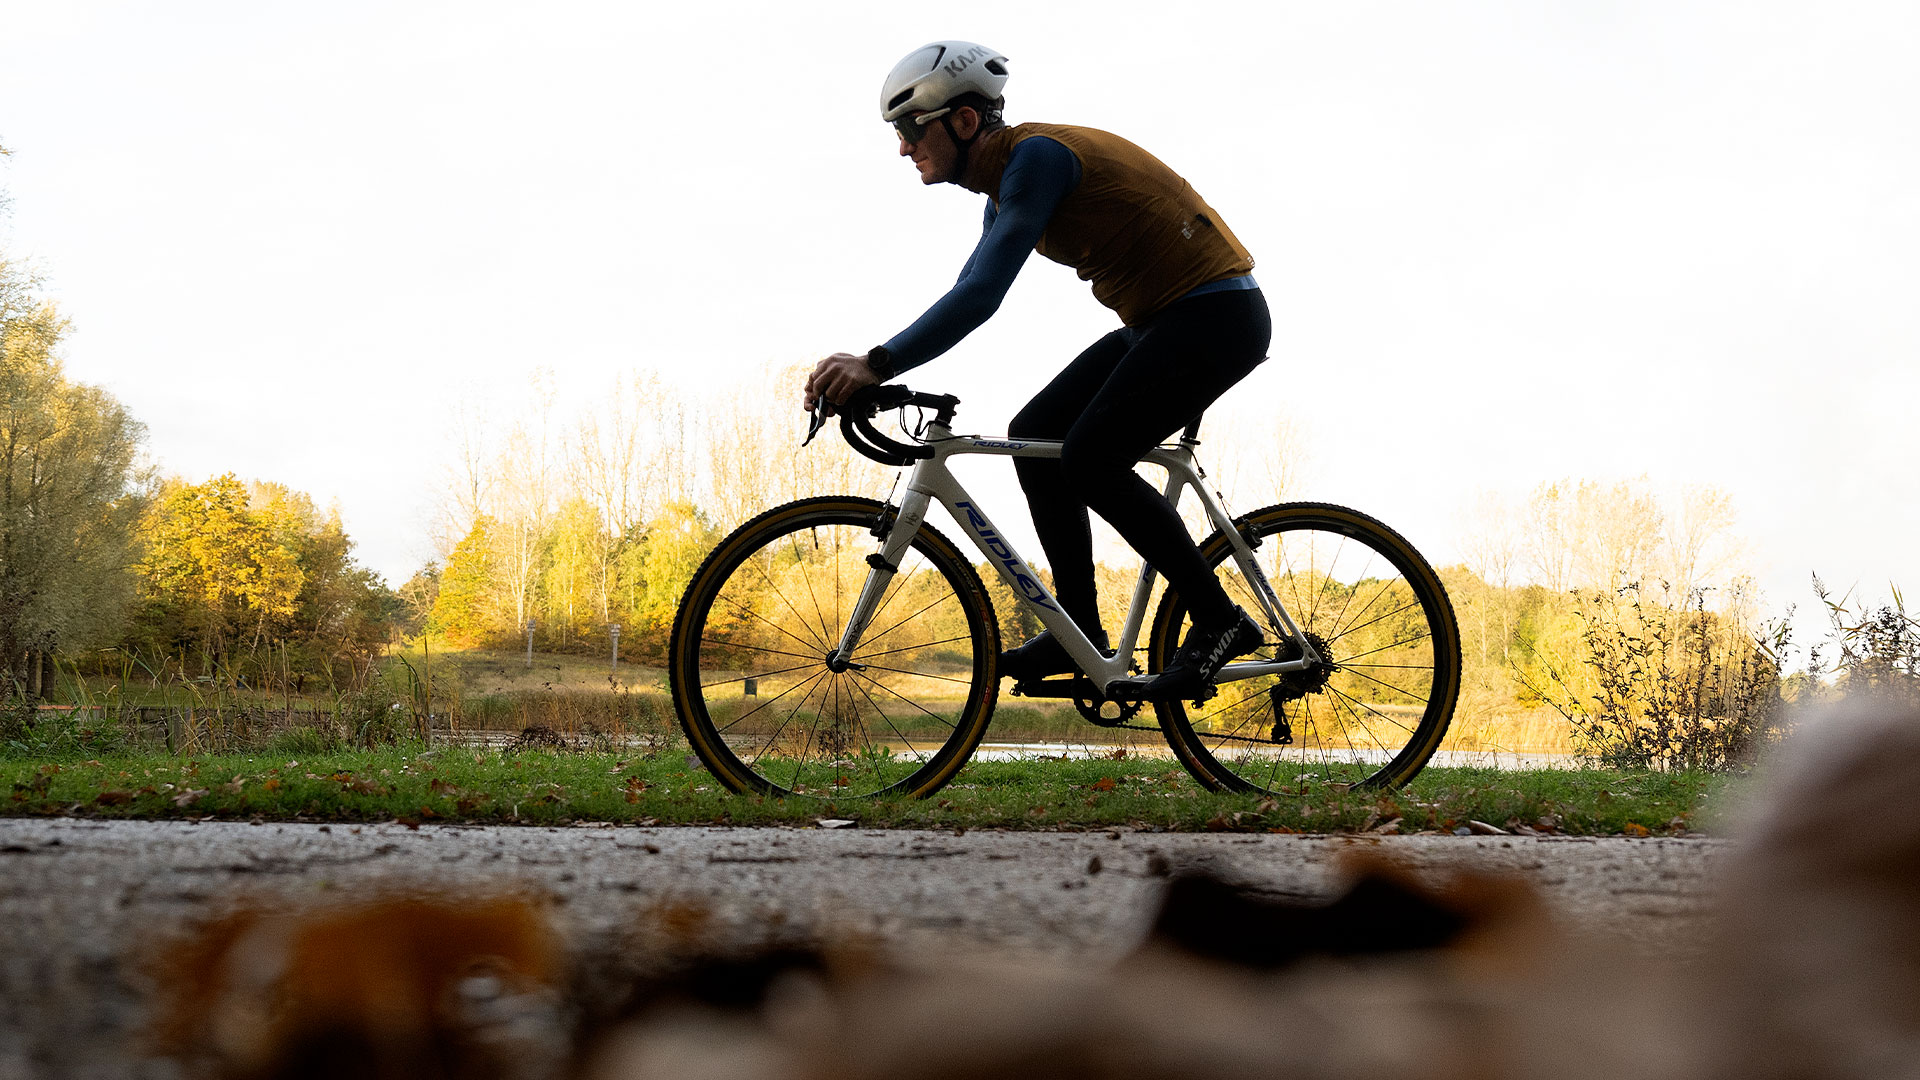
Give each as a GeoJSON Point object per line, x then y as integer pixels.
{"type": "Point", "coordinates": [896, 530]}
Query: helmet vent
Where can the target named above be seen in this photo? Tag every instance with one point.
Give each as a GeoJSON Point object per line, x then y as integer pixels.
{"type": "Point", "coordinates": [899, 99]}
{"type": "Point", "coordinates": [996, 67]}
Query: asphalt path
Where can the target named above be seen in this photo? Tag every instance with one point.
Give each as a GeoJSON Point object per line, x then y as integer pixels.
{"type": "Point", "coordinates": [84, 902]}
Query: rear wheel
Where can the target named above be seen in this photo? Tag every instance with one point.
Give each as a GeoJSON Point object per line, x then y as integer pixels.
{"type": "Point", "coordinates": [749, 658]}
{"type": "Point", "coordinates": [1377, 707]}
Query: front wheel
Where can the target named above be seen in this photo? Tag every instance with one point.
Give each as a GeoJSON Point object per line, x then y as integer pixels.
{"type": "Point", "coordinates": [1377, 707]}
{"type": "Point", "coordinates": [752, 639]}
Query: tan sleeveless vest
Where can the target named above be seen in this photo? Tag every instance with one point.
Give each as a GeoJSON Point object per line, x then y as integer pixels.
{"type": "Point", "coordinates": [1132, 227]}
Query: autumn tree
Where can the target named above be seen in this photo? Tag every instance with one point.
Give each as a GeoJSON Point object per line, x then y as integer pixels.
{"type": "Point", "coordinates": [70, 492]}
{"type": "Point", "coordinates": [417, 595]}
{"type": "Point", "coordinates": [343, 613]}
{"type": "Point", "coordinates": [656, 569]}
{"type": "Point", "coordinates": [465, 608]}
{"type": "Point", "coordinates": [577, 575]}
{"type": "Point", "coordinates": [216, 573]}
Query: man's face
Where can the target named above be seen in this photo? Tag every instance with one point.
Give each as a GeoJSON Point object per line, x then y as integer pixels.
{"type": "Point", "coordinates": [934, 154]}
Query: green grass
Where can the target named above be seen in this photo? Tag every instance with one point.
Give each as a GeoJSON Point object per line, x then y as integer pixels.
{"type": "Point", "coordinates": [413, 784]}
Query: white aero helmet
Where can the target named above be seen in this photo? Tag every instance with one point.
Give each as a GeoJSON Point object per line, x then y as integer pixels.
{"type": "Point", "coordinates": [932, 75]}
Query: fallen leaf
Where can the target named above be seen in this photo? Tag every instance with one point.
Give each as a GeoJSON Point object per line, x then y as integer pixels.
{"type": "Point", "coordinates": [113, 798]}
{"type": "Point", "coordinates": [1105, 783]}
{"type": "Point", "coordinates": [1635, 829]}
{"type": "Point", "coordinates": [832, 822]}
{"type": "Point", "coordinates": [1484, 829]}
{"type": "Point", "coordinates": [189, 797]}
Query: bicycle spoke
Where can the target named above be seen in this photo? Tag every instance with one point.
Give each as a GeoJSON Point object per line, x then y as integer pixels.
{"type": "Point", "coordinates": [908, 648]}
{"type": "Point", "coordinates": [745, 610]}
{"type": "Point", "coordinates": [1389, 687]}
{"type": "Point", "coordinates": [1367, 729]}
{"type": "Point", "coordinates": [909, 701]}
{"type": "Point", "coordinates": [1358, 581]}
{"type": "Point", "coordinates": [800, 560]}
{"type": "Point", "coordinates": [758, 675]}
{"type": "Point", "coordinates": [1375, 620]}
{"type": "Point", "coordinates": [730, 644]}
{"type": "Point", "coordinates": [780, 594]}
{"type": "Point", "coordinates": [1353, 702]}
{"type": "Point", "coordinates": [1384, 648]}
{"type": "Point", "coordinates": [809, 684]}
{"type": "Point", "coordinates": [770, 702]}
{"type": "Point", "coordinates": [917, 674]}
{"type": "Point", "coordinates": [936, 603]}
{"type": "Point", "coordinates": [891, 726]}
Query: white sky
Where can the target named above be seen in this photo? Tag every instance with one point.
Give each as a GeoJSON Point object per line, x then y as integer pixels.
{"type": "Point", "coordinates": [1503, 242]}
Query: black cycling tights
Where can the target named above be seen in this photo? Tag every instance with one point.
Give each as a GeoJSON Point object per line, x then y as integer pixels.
{"type": "Point", "coordinates": [1129, 392]}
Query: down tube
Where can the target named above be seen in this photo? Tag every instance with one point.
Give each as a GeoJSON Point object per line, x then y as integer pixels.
{"type": "Point", "coordinates": [1008, 562]}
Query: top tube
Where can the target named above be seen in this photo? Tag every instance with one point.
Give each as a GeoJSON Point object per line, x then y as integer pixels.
{"type": "Point", "coordinates": [856, 422]}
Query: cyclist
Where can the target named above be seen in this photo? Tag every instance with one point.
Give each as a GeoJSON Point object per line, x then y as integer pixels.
{"type": "Point", "coordinates": [1195, 323]}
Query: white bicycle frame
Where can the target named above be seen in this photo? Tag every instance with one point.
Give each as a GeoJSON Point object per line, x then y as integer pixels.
{"type": "Point", "coordinates": [931, 480]}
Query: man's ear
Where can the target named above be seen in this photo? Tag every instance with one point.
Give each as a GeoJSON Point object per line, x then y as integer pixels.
{"type": "Point", "coordinates": [966, 121]}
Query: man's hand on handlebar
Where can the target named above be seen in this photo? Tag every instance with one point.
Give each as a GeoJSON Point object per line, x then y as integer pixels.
{"type": "Point", "coordinates": [835, 379]}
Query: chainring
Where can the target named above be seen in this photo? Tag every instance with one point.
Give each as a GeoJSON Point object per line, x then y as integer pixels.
{"type": "Point", "coordinates": [1096, 711]}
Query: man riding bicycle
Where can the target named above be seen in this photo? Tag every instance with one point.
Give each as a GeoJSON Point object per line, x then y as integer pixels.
{"type": "Point", "coordinates": [1195, 323]}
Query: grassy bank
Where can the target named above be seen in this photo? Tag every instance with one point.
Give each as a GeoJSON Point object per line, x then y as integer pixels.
{"type": "Point", "coordinates": [534, 787]}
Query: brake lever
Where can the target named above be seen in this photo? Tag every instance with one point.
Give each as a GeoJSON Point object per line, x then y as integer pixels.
{"type": "Point", "coordinates": [816, 419]}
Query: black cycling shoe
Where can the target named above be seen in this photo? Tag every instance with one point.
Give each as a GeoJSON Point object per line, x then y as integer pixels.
{"type": "Point", "coordinates": [1189, 675]}
{"type": "Point", "coordinates": [1043, 655]}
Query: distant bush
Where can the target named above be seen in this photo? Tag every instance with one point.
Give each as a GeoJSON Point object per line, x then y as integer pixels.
{"type": "Point", "coordinates": [1871, 653]}
{"type": "Point", "coordinates": [1665, 685]}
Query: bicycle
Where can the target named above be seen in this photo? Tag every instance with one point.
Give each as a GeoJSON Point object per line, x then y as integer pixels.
{"type": "Point", "coordinates": [840, 646]}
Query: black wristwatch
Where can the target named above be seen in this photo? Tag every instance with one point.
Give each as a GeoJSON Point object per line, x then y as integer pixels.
{"type": "Point", "coordinates": [880, 362]}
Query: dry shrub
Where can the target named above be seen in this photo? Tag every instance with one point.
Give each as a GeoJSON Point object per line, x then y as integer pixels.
{"type": "Point", "coordinates": [1666, 684]}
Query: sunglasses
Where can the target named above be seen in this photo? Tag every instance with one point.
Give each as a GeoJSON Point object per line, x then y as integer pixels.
{"type": "Point", "coordinates": [913, 128]}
